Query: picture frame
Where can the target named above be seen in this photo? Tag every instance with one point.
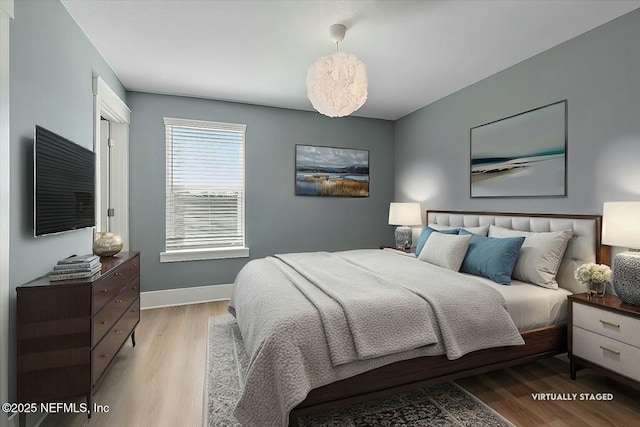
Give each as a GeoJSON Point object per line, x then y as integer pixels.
{"type": "Point", "coordinates": [524, 155]}
{"type": "Point", "coordinates": [331, 171]}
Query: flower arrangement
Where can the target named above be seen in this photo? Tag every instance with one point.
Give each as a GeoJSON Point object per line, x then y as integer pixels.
{"type": "Point", "coordinates": [594, 276]}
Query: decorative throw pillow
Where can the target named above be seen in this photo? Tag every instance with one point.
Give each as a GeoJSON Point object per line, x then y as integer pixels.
{"type": "Point", "coordinates": [540, 255]}
{"type": "Point", "coordinates": [491, 257]}
{"type": "Point", "coordinates": [426, 232]}
{"type": "Point", "coordinates": [445, 250]}
{"type": "Point", "coordinates": [482, 230]}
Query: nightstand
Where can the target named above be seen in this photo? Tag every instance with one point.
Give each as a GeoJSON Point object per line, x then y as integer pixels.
{"type": "Point", "coordinates": [604, 335]}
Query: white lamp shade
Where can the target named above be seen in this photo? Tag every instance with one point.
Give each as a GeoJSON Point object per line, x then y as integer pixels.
{"type": "Point", "coordinates": [405, 214]}
{"type": "Point", "coordinates": [337, 84]}
{"type": "Point", "coordinates": [621, 224]}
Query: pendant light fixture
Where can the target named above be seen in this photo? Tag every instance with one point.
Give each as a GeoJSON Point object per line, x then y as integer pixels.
{"type": "Point", "coordinates": [337, 83]}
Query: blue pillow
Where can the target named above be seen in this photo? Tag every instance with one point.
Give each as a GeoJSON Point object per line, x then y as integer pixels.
{"type": "Point", "coordinates": [491, 257]}
{"type": "Point", "coordinates": [426, 232]}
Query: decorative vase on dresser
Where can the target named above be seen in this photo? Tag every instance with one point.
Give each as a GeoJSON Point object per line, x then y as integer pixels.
{"type": "Point", "coordinates": [69, 332]}
{"type": "Point", "coordinates": [107, 243]}
{"type": "Point", "coordinates": [603, 336]}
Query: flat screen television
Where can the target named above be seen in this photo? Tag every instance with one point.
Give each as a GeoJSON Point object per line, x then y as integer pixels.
{"type": "Point", "coordinates": [64, 184]}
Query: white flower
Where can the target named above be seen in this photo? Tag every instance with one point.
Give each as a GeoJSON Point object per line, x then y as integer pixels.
{"type": "Point", "coordinates": [593, 273]}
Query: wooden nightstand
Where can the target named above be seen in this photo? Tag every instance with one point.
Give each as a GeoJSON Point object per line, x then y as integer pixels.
{"type": "Point", "coordinates": [604, 335]}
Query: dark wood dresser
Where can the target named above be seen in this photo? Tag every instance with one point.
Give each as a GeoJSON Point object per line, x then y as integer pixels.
{"type": "Point", "coordinates": [69, 332]}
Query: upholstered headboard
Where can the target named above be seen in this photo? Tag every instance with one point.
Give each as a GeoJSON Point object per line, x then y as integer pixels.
{"type": "Point", "coordinates": [583, 247]}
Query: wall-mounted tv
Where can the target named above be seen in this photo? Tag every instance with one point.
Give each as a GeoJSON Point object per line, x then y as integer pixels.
{"type": "Point", "coordinates": [64, 184]}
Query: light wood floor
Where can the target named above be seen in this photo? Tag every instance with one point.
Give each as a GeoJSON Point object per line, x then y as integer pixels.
{"type": "Point", "coordinates": [160, 382]}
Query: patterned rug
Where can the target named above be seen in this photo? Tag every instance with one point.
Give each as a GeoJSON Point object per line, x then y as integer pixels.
{"type": "Point", "coordinates": [442, 405]}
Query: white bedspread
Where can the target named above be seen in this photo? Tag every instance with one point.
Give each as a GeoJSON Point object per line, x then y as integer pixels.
{"type": "Point", "coordinates": [285, 337]}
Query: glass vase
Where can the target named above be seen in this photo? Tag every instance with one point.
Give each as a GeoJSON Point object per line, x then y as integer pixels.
{"type": "Point", "coordinates": [596, 289]}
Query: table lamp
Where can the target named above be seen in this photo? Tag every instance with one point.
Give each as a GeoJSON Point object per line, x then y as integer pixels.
{"type": "Point", "coordinates": [621, 227]}
{"type": "Point", "coordinates": [404, 215]}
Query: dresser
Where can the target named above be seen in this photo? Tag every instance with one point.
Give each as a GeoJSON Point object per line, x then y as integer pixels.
{"type": "Point", "coordinates": [69, 332]}
{"type": "Point", "coordinates": [604, 335]}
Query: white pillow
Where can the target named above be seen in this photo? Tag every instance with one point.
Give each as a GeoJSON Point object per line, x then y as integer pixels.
{"type": "Point", "coordinates": [540, 255]}
{"type": "Point", "coordinates": [482, 230]}
{"type": "Point", "coordinates": [445, 250]}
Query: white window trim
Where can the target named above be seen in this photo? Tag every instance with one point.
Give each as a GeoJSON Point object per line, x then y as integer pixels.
{"type": "Point", "coordinates": [204, 254]}
{"type": "Point", "coordinates": [207, 253]}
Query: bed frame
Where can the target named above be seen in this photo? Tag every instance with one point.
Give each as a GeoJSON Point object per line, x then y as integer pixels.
{"type": "Point", "coordinates": [424, 371]}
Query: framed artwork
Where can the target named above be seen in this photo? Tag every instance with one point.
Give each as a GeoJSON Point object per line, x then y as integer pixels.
{"type": "Point", "coordinates": [331, 171]}
{"type": "Point", "coordinates": [524, 155]}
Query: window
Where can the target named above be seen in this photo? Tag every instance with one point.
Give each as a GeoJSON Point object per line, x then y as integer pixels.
{"type": "Point", "coordinates": [205, 190]}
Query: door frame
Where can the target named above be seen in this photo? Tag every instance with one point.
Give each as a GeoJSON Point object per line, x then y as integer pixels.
{"type": "Point", "coordinates": [6, 15]}
{"type": "Point", "coordinates": [108, 104]}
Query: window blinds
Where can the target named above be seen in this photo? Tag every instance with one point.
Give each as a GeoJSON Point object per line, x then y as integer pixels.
{"type": "Point", "coordinates": [205, 184]}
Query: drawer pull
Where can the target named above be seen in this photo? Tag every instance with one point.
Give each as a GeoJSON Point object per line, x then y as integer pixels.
{"type": "Point", "coordinates": [104, 322]}
{"type": "Point", "coordinates": [616, 352]}
{"type": "Point", "coordinates": [118, 273]}
{"type": "Point", "coordinates": [606, 322]}
{"type": "Point", "coordinates": [104, 291]}
{"type": "Point", "coordinates": [105, 356]}
{"type": "Point", "coordinates": [133, 310]}
{"type": "Point", "coordinates": [118, 301]}
{"type": "Point", "coordinates": [118, 331]}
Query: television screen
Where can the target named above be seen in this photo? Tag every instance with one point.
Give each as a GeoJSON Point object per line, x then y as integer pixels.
{"type": "Point", "coordinates": [64, 184]}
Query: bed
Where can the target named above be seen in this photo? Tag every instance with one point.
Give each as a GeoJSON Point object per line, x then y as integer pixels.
{"type": "Point", "coordinates": [538, 314]}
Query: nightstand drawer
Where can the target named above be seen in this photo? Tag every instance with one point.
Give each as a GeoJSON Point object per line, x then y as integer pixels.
{"type": "Point", "coordinates": [607, 323]}
{"type": "Point", "coordinates": [606, 352]}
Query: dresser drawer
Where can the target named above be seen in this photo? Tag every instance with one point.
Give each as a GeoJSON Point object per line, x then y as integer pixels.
{"type": "Point", "coordinates": [110, 285]}
{"type": "Point", "coordinates": [109, 315]}
{"type": "Point", "coordinates": [607, 323]}
{"type": "Point", "coordinates": [606, 352]}
{"type": "Point", "coordinates": [106, 350]}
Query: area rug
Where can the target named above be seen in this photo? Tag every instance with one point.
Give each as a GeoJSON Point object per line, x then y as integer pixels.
{"type": "Point", "coordinates": [442, 405]}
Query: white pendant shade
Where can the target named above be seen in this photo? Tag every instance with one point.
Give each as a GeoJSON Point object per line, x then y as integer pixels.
{"type": "Point", "coordinates": [337, 84]}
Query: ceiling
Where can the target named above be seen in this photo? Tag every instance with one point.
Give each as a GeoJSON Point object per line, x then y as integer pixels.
{"type": "Point", "coordinates": [258, 51]}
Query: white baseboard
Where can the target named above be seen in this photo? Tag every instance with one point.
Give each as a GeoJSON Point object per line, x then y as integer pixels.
{"type": "Point", "coordinates": [183, 296]}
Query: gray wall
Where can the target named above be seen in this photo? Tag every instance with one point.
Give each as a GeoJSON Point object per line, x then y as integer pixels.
{"type": "Point", "coordinates": [277, 221]}
{"type": "Point", "coordinates": [596, 72]}
{"type": "Point", "coordinates": [52, 64]}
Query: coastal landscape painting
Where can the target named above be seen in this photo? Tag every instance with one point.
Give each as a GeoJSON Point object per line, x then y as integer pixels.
{"type": "Point", "coordinates": [521, 156]}
{"type": "Point", "coordinates": [331, 171]}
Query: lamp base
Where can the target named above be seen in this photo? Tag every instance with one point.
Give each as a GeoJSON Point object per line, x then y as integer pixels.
{"type": "Point", "coordinates": [403, 237]}
{"type": "Point", "coordinates": [626, 277]}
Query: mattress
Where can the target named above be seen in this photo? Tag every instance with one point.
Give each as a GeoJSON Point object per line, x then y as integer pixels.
{"type": "Point", "coordinates": [530, 306]}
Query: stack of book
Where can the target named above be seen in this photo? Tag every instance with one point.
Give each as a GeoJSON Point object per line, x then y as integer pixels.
{"type": "Point", "coordinates": [76, 267]}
